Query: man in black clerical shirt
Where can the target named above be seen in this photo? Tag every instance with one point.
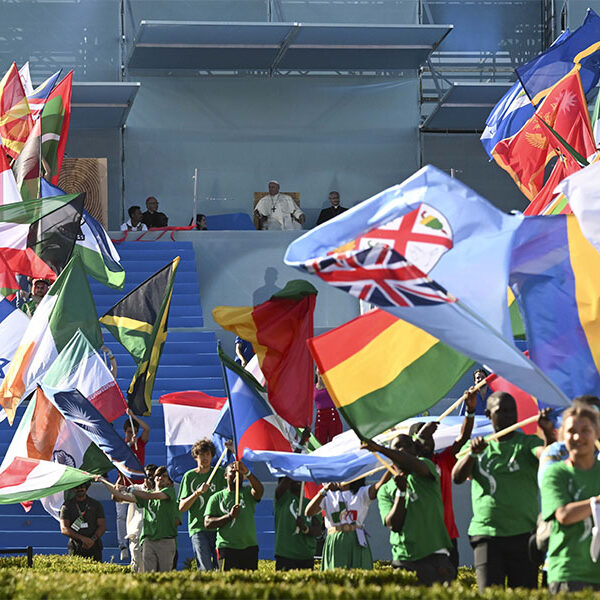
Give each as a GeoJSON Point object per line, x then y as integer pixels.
{"type": "Point", "coordinates": [334, 210]}
{"type": "Point", "coordinates": [153, 218]}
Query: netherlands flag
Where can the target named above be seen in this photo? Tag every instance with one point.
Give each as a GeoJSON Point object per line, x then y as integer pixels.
{"type": "Point", "coordinates": [189, 416]}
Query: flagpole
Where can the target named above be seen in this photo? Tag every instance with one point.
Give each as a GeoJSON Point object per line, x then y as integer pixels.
{"type": "Point", "coordinates": [214, 471]}
{"type": "Point", "coordinates": [297, 530]}
{"type": "Point", "coordinates": [456, 404]}
{"type": "Point", "coordinates": [237, 485]}
{"type": "Point", "coordinates": [363, 475]}
{"type": "Point", "coordinates": [386, 465]}
{"type": "Point", "coordinates": [503, 432]}
{"type": "Point", "coordinates": [195, 178]}
{"type": "Point", "coordinates": [228, 393]}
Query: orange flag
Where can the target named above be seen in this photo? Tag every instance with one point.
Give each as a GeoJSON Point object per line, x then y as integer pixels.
{"type": "Point", "coordinates": [15, 116]}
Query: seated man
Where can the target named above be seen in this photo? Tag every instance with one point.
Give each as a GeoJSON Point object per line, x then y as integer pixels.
{"type": "Point", "coordinates": [82, 521]}
{"type": "Point", "coordinates": [236, 530]}
{"type": "Point", "coordinates": [277, 211]}
{"type": "Point", "coordinates": [331, 211]}
{"type": "Point", "coordinates": [135, 220]}
{"type": "Point", "coordinates": [153, 218]}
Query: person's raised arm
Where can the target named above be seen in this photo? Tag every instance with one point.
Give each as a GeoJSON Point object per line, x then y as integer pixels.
{"type": "Point", "coordinates": [403, 460]}
{"type": "Point", "coordinates": [395, 518]}
{"type": "Point", "coordinates": [187, 503]}
{"type": "Point", "coordinates": [374, 488]}
{"type": "Point", "coordinates": [463, 469]}
{"type": "Point", "coordinates": [145, 427]}
{"type": "Point", "coordinates": [467, 425]}
{"type": "Point", "coordinates": [117, 493]}
{"type": "Point", "coordinates": [314, 506]}
{"type": "Point", "coordinates": [257, 487]}
{"type": "Point", "coordinates": [547, 427]}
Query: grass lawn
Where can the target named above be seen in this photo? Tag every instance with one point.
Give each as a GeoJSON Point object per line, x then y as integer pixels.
{"type": "Point", "coordinates": [72, 577]}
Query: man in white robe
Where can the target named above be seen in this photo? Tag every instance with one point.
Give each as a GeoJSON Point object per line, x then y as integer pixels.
{"type": "Point", "coordinates": [277, 211]}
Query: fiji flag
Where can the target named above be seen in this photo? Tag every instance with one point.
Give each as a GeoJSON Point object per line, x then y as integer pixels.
{"type": "Point", "coordinates": [189, 417]}
{"type": "Point", "coordinates": [253, 423]}
{"type": "Point", "coordinates": [76, 409]}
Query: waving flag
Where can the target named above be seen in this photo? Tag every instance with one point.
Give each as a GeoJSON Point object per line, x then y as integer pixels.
{"type": "Point", "coordinates": [189, 416]}
{"type": "Point", "coordinates": [25, 75]}
{"type": "Point", "coordinates": [578, 52]}
{"type": "Point", "coordinates": [278, 330]}
{"type": "Point", "coordinates": [9, 192]}
{"type": "Point", "coordinates": [511, 113]}
{"type": "Point", "coordinates": [67, 307]}
{"type": "Point", "coordinates": [253, 423]}
{"type": "Point", "coordinates": [80, 367]}
{"type": "Point", "coordinates": [98, 254]}
{"type": "Point", "coordinates": [29, 242]}
{"type": "Point", "coordinates": [44, 434]}
{"type": "Point", "coordinates": [139, 322]}
{"type": "Point", "coordinates": [37, 98]}
{"type": "Point", "coordinates": [551, 276]}
{"type": "Point", "coordinates": [76, 409]}
{"type": "Point", "coordinates": [55, 118]}
{"type": "Point", "coordinates": [27, 479]}
{"type": "Point", "coordinates": [15, 117]}
{"type": "Point", "coordinates": [374, 387]}
{"type": "Point", "coordinates": [475, 324]}
{"type": "Point", "coordinates": [525, 155]}
{"type": "Point", "coordinates": [13, 323]}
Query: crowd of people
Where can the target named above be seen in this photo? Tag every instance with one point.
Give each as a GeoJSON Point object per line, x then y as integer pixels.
{"type": "Point", "coordinates": [510, 537]}
{"type": "Point", "coordinates": [274, 211]}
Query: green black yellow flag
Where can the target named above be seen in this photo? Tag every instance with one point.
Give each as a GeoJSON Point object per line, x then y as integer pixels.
{"type": "Point", "coordinates": [139, 323]}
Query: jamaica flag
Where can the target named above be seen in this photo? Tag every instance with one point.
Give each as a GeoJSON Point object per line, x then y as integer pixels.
{"type": "Point", "coordinates": [139, 323]}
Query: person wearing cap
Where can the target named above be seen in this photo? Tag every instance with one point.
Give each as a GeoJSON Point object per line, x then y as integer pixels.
{"type": "Point", "coordinates": [82, 521]}
{"type": "Point", "coordinates": [39, 288]}
{"type": "Point", "coordinates": [277, 211]}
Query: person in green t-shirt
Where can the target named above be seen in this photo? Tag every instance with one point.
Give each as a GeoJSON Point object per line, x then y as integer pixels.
{"type": "Point", "coordinates": [411, 507]}
{"type": "Point", "coordinates": [160, 520]}
{"type": "Point", "coordinates": [234, 521]}
{"type": "Point", "coordinates": [569, 489]}
{"type": "Point", "coordinates": [194, 493]}
{"type": "Point", "coordinates": [504, 496]}
{"type": "Point", "coordinates": [295, 536]}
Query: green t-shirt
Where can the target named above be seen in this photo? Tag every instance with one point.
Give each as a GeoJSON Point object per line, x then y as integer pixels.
{"type": "Point", "coordinates": [241, 532]}
{"type": "Point", "coordinates": [504, 490]}
{"type": "Point", "coordinates": [190, 483]}
{"type": "Point", "coordinates": [288, 543]}
{"type": "Point", "coordinates": [160, 517]}
{"type": "Point", "coordinates": [424, 531]}
{"type": "Point", "coordinates": [568, 557]}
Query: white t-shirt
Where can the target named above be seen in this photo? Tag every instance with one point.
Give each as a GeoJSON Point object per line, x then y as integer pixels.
{"type": "Point", "coordinates": [279, 210]}
{"type": "Point", "coordinates": [346, 508]}
{"type": "Point", "coordinates": [135, 516]}
{"type": "Point", "coordinates": [127, 226]}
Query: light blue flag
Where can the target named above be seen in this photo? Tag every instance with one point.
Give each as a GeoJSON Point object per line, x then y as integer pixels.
{"type": "Point", "coordinates": [457, 241]}
{"type": "Point", "coordinates": [329, 464]}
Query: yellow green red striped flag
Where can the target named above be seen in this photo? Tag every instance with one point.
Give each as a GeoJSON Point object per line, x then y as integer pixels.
{"type": "Point", "coordinates": [380, 370]}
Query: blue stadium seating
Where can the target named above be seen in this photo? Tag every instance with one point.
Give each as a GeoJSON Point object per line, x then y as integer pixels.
{"type": "Point", "coordinates": [189, 362]}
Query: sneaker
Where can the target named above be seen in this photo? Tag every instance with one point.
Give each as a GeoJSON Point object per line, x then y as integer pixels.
{"type": "Point", "coordinates": [124, 554]}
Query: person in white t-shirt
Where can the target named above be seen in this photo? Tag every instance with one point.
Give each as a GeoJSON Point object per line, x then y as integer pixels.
{"type": "Point", "coordinates": [135, 220]}
{"type": "Point", "coordinates": [277, 211]}
{"type": "Point", "coordinates": [346, 507]}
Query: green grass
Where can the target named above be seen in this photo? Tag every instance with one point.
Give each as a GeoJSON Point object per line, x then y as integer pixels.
{"type": "Point", "coordinates": [58, 577]}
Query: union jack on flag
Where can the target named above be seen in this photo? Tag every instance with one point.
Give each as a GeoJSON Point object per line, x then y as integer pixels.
{"type": "Point", "coordinates": [381, 276]}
